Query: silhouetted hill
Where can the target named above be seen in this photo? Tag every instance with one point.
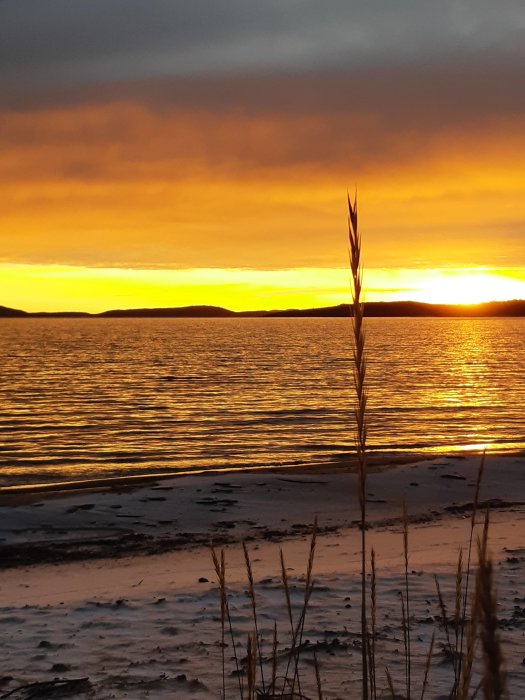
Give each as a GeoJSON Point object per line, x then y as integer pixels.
{"type": "Point", "coordinates": [177, 312]}
{"type": "Point", "coordinates": [60, 314]}
{"type": "Point", "coordinates": [6, 312]}
{"type": "Point", "coordinates": [383, 309]}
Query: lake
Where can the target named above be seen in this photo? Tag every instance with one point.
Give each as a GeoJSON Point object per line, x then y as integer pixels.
{"type": "Point", "coordinates": [88, 398]}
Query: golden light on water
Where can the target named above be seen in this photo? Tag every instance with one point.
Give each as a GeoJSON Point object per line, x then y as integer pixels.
{"type": "Point", "coordinates": [470, 447]}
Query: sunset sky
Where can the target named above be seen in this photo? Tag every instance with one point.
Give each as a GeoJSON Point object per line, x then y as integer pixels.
{"type": "Point", "coordinates": [173, 152]}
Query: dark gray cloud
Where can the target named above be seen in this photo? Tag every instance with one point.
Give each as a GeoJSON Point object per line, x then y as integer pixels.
{"type": "Point", "coordinates": [363, 117]}
{"type": "Point", "coordinates": [53, 42]}
{"type": "Point", "coordinates": [380, 82]}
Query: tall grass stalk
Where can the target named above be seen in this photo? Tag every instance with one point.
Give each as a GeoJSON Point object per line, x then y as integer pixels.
{"type": "Point", "coordinates": [308, 589]}
{"type": "Point", "coordinates": [274, 658]}
{"type": "Point", "coordinates": [444, 614]}
{"type": "Point", "coordinates": [493, 681]}
{"type": "Point", "coordinates": [219, 564]}
{"type": "Point", "coordinates": [219, 570]}
{"type": "Point", "coordinates": [251, 664]}
{"type": "Point", "coordinates": [405, 639]}
{"type": "Point", "coordinates": [427, 666]}
{"type": "Point", "coordinates": [251, 590]}
{"type": "Point", "coordinates": [479, 478]}
{"type": "Point", "coordinates": [408, 654]}
{"type": "Point", "coordinates": [373, 615]}
{"type": "Point", "coordinates": [470, 652]}
{"type": "Point", "coordinates": [359, 358]}
{"type": "Point", "coordinates": [390, 684]}
{"type": "Point", "coordinates": [296, 630]}
{"type": "Point", "coordinates": [458, 622]}
{"type": "Point", "coordinates": [318, 679]}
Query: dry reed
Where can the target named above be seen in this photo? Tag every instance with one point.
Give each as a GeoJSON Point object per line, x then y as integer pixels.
{"type": "Point", "coordinates": [493, 681]}
{"type": "Point", "coordinates": [479, 478]}
{"type": "Point", "coordinates": [458, 621]}
{"type": "Point", "coordinates": [390, 684]}
{"type": "Point", "coordinates": [359, 358]}
{"type": "Point", "coordinates": [408, 657]}
{"type": "Point", "coordinates": [466, 666]}
{"type": "Point", "coordinates": [220, 570]}
{"type": "Point", "coordinates": [251, 664]}
{"type": "Point", "coordinates": [373, 615]}
{"type": "Point", "coordinates": [274, 657]}
{"type": "Point", "coordinates": [251, 590]}
{"type": "Point", "coordinates": [308, 589]}
{"type": "Point", "coordinates": [318, 679]}
{"type": "Point", "coordinates": [427, 666]}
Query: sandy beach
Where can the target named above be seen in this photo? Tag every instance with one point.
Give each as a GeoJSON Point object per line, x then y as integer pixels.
{"type": "Point", "coordinates": [116, 586]}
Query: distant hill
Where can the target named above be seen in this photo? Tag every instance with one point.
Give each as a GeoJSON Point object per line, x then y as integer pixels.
{"type": "Point", "coordinates": [383, 309]}
{"type": "Point", "coordinates": [59, 314]}
{"type": "Point", "coordinates": [177, 312]}
{"type": "Point", "coordinates": [6, 312]}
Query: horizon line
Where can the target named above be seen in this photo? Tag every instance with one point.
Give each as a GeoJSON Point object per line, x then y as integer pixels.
{"type": "Point", "coordinates": [203, 307]}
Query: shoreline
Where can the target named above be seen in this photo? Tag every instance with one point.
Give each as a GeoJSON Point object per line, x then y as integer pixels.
{"type": "Point", "coordinates": [18, 493]}
{"type": "Point", "coordinates": [157, 515]}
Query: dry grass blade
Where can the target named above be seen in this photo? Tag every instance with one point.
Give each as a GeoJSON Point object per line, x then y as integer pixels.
{"type": "Point", "coordinates": [427, 666]}
{"type": "Point", "coordinates": [298, 629]}
{"type": "Point", "coordinates": [458, 621]}
{"type": "Point", "coordinates": [369, 653]}
{"type": "Point", "coordinates": [251, 591]}
{"type": "Point", "coordinates": [444, 614]}
{"type": "Point", "coordinates": [251, 665]}
{"type": "Point", "coordinates": [493, 682]}
{"type": "Point", "coordinates": [308, 588]}
{"type": "Point", "coordinates": [284, 577]}
{"type": "Point", "coordinates": [373, 614]}
{"type": "Point", "coordinates": [286, 587]}
{"type": "Point", "coordinates": [408, 651]}
{"type": "Point", "coordinates": [354, 239]}
{"type": "Point", "coordinates": [318, 679]}
{"type": "Point", "coordinates": [479, 479]}
{"type": "Point", "coordinates": [466, 666]}
{"type": "Point", "coordinates": [220, 567]}
{"type": "Point", "coordinates": [476, 690]}
{"type": "Point", "coordinates": [493, 677]}
{"type": "Point", "coordinates": [220, 570]}
{"type": "Point", "coordinates": [390, 684]}
{"type": "Point", "coordinates": [405, 639]}
{"type": "Point", "coordinates": [274, 657]}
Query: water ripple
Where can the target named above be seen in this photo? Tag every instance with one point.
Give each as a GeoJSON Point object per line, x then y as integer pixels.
{"type": "Point", "coordinates": [101, 397]}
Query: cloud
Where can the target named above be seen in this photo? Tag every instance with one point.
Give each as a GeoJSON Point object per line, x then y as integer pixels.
{"type": "Point", "coordinates": [224, 134]}
{"type": "Point", "coordinates": [354, 121]}
{"type": "Point", "coordinates": [71, 41]}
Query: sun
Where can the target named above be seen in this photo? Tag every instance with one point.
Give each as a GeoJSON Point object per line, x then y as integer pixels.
{"type": "Point", "coordinates": [467, 287]}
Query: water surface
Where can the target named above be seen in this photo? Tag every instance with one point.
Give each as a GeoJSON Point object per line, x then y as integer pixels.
{"type": "Point", "coordinates": [85, 398]}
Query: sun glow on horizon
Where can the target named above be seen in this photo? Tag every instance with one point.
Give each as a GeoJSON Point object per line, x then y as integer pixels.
{"type": "Point", "coordinates": [468, 287]}
{"type": "Point", "coordinates": [95, 289]}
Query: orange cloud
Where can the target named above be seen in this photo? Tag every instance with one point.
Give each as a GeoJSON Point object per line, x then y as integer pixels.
{"type": "Point", "coordinates": [161, 182]}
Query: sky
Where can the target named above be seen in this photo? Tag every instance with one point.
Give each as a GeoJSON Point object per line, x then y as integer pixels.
{"type": "Point", "coordinates": [173, 152]}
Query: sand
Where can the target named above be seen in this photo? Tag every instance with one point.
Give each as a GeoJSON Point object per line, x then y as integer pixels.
{"type": "Point", "coordinates": [117, 586]}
